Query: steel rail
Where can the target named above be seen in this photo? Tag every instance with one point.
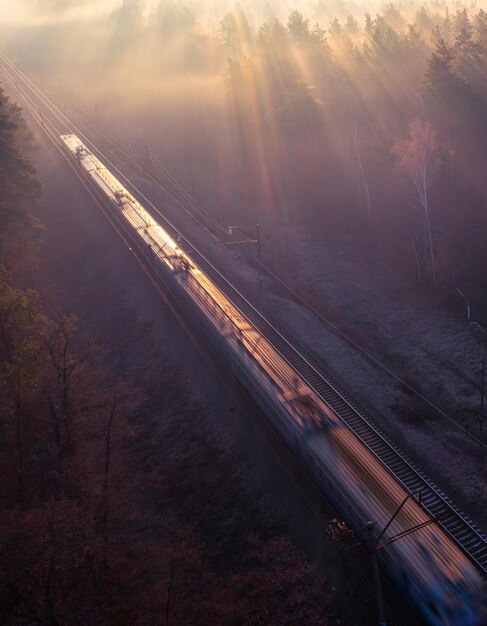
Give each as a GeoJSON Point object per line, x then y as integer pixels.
{"type": "Point", "coordinates": [210, 225]}
{"type": "Point", "coordinates": [165, 292]}
{"type": "Point", "coordinates": [471, 540]}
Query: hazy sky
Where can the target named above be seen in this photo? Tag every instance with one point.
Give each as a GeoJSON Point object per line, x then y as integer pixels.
{"type": "Point", "coordinates": [23, 12]}
{"type": "Point", "coordinates": [26, 12]}
{"type": "Point", "coordinates": [208, 12]}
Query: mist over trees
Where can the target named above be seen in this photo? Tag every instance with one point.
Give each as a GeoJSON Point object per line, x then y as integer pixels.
{"type": "Point", "coordinates": [300, 115]}
{"type": "Point", "coordinates": [116, 507]}
{"type": "Point", "coordinates": [363, 123]}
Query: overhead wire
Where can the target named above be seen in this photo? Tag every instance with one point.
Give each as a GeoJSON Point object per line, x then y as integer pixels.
{"type": "Point", "coordinates": [68, 122]}
{"type": "Point", "coordinates": [282, 286]}
{"type": "Point", "coordinates": [344, 398]}
{"type": "Point", "coordinates": [53, 134]}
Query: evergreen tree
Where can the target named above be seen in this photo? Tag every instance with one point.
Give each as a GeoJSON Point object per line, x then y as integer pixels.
{"type": "Point", "coordinates": [447, 26]}
{"type": "Point", "coordinates": [336, 29]}
{"type": "Point", "coordinates": [393, 17]}
{"type": "Point", "coordinates": [440, 74]}
{"type": "Point", "coordinates": [423, 21]}
{"type": "Point", "coordinates": [318, 34]}
{"type": "Point", "coordinates": [480, 28]}
{"type": "Point", "coordinates": [298, 27]}
{"type": "Point", "coordinates": [351, 26]}
{"type": "Point", "coordinates": [19, 187]}
{"type": "Point", "coordinates": [369, 25]}
{"type": "Point", "coordinates": [236, 32]}
{"type": "Point", "coordinates": [173, 19]}
{"type": "Point", "coordinates": [272, 33]}
{"type": "Point", "coordinates": [450, 100]}
{"type": "Point", "coordinates": [461, 24]}
{"type": "Point", "coordinates": [128, 28]}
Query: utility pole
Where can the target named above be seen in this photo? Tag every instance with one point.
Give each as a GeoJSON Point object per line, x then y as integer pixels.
{"type": "Point", "coordinates": [372, 543]}
{"type": "Point", "coordinates": [169, 591]}
{"type": "Point", "coordinates": [482, 393]}
{"type": "Point", "coordinates": [288, 267]}
{"type": "Point", "coordinates": [257, 238]}
{"type": "Point", "coordinates": [250, 239]}
{"type": "Point", "coordinates": [371, 547]}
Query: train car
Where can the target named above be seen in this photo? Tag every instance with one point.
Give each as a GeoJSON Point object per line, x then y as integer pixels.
{"type": "Point", "coordinates": [425, 563]}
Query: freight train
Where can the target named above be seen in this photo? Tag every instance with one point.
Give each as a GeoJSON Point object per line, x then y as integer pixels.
{"type": "Point", "coordinates": [430, 569]}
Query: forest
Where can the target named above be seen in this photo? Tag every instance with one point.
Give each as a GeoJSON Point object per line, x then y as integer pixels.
{"type": "Point", "coordinates": [364, 124]}
{"type": "Point", "coordinates": [366, 127]}
{"type": "Point", "coordinates": [116, 508]}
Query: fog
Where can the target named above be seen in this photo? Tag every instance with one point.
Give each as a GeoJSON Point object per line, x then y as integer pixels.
{"type": "Point", "coordinates": [289, 113]}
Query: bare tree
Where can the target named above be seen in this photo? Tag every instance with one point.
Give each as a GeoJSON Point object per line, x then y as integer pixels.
{"type": "Point", "coordinates": [64, 372]}
{"type": "Point", "coordinates": [22, 331]}
{"type": "Point", "coordinates": [363, 177]}
{"type": "Point", "coordinates": [419, 160]}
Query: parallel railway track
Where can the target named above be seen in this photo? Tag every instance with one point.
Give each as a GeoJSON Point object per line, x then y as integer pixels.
{"type": "Point", "coordinates": [471, 540]}
{"type": "Point", "coordinates": [457, 525]}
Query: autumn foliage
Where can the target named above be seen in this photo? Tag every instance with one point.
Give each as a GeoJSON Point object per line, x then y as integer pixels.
{"type": "Point", "coordinates": [294, 118]}
{"type": "Point", "coordinates": [110, 513]}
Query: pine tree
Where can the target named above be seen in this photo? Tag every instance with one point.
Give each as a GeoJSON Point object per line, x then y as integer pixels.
{"type": "Point", "coordinates": [462, 24]}
{"type": "Point", "coordinates": [236, 32]}
{"type": "Point", "coordinates": [298, 27]}
{"type": "Point", "coordinates": [440, 74]}
{"type": "Point", "coordinates": [480, 27]}
{"type": "Point", "coordinates": [451, 102]}
{"type": "Point", "coordinates": [318, 34]}
{"type": "Point", "coordinates": [369, 25]}
{"type": "Point", "coordinates": [19, 187]}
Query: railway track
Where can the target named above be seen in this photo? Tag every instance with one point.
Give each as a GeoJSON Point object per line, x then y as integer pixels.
{"type": "Point", "coordinates": [458, 526]}
{"type": "Point", "coordinates": [470, 539]}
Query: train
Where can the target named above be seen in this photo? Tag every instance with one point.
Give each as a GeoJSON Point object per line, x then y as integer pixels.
{"type": "Point", "coordinates": [439, 580]}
